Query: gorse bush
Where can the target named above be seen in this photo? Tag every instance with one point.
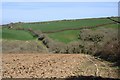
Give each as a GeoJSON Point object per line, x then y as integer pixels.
{"type": "Point", "coordinates": [110, 51]}
{"type": "Point", "coordinates": [102, 43]}
{"type": "Point", "coordinates": [17, 46]}
{"type": "Point", "coordinates": [90, 36]}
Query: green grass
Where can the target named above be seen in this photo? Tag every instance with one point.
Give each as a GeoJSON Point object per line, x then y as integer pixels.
{"type": "Point", "coordinates": [115, 18]}
{"type": "Point", "coordinates": [58, 25]}
{"type": "Point", "coordinates": [65, 36]}
{"type": "Point", "coordinates": [111, 26]}
{"type": "Point", "coordinates": [108, 26]}
{"type": "Point", "coordinates": [72, 35]}
{"type": "Point", "coordinates": [16, 35]}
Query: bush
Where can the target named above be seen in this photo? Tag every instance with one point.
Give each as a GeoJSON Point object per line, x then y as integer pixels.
{"type": "Point", "coordinates": [41, 37]}
{"type": "Point", "coordinates": [74, 47]}
{"type": "Point", "coordinates": [110, 51]}
{"type": "Point", "coordinates": [17, 46]}
{"type": "Point", "coordinates": [99, 35]}
{"type": "Point", "coordinates": [102, 43]}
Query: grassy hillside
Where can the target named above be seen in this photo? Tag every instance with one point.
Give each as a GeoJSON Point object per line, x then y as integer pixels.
{"type": "Point", "coordinates": [72, 35]}
{"type": "Point", "coordinates": [93, 36]}
{"type": "Point", "coordinates": [58, 25]}
{"type": "Point", "coordinates": [65, 36]}
{"type": "Point", "coordinates": [16, 34]}
{"type": "Point", "coordinates": [18, 46]}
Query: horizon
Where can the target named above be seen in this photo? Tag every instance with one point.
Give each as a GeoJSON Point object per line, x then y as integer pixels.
{"type": "Point", "coordinates": [51, 11]}
{"type": "Point", "coordinates": [60, 20]}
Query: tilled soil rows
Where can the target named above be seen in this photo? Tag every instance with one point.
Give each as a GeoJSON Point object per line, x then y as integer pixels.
{"type": "Point", "coordinates": [54, 65]}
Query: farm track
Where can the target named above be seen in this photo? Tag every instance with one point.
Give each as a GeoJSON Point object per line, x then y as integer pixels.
{"type": "Point", "coordinates": [54, 65]}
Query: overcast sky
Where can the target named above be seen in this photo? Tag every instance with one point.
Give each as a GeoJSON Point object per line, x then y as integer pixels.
{"type": "Point", "coordinates": [44, 11]}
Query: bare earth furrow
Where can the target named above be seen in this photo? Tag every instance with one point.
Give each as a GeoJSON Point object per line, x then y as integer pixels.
{"type": "Point", "coordinates": [54, 65]}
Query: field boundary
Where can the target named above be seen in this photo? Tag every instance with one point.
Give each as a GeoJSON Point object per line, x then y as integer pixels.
{"type": "Point", "coordinates": [37, 34]}
{"type": "Point", "coordinates": [87, 27]}
{"type": "Point", "coordinates": [113, 20]}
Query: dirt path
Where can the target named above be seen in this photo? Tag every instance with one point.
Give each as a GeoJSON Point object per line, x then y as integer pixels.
{"type": "Point", "coordinates": [54, 65]}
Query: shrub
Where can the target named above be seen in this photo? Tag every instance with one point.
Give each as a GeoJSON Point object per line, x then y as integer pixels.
{"type": "Point", "coordinates": [74, 47]}
{"type": "Point", "coordinates": [109, 51]}
{"type": "Point", "coordinates": [17, 46]}
{"type": "Point", "coordinates": [102, 43]}
{"type": "Point", "coordinates": [41, 37]}
{"type": "Point", "coordinates": [99, 35]}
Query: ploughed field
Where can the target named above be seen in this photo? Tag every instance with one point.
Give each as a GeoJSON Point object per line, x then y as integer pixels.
{"type": "Point", "coordinates": [55, 65]}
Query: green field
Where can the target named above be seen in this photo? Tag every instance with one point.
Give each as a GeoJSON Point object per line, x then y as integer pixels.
{"type": "Point", "coordinates": [72, 35]}
{"type": "Point", "coordinates": [58, 25]}
{"type": "Point", "coordinates": [65, 36]}
{"type": "Point", "coordinates": [16, 35]}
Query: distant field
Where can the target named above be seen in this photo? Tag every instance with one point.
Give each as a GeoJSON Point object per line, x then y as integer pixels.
{"type": "Point", "coordinates": [58, 25]}
{"type": "Point", "coordinates": [65, 36]}
{"type": "Point", "coordinates": [115, 18]}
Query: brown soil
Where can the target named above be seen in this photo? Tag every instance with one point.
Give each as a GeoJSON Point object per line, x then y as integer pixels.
{"type": "Point", "coordinates": [54, 65]}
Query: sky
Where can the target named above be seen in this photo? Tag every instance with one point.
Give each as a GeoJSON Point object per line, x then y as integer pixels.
{"type": "Point", "coordinates": [48, 11]}
{"type": "Point", "coordinates": [60, 0]}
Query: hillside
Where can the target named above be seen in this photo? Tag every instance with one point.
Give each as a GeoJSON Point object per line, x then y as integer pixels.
{"type": "Point", "coordinates": [67, 30]}
{"type": "Point", "coordinates": [93, 36]}
{"type": "Point", "coordinates": [86, 48]}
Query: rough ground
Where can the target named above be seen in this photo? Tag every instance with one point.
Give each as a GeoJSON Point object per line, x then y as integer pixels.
{"type": "Point", "coordinates": [54, 65]}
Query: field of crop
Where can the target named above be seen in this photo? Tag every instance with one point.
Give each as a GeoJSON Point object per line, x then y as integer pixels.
{"type": "Point", "coordinates": [16, 34]}
{"type": "Point", "coordinates": [64, 36]}
{"type": "Point", "coordinates": [58, 25]}
{"type": "Point", "coordinates": [72, 35]}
